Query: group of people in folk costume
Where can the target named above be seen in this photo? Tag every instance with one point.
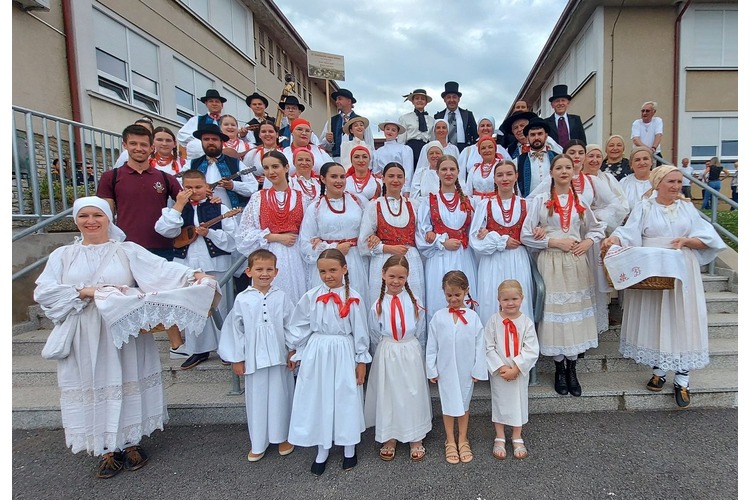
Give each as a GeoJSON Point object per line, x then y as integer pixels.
{"type": "Point", "coordinates": [376, 262]}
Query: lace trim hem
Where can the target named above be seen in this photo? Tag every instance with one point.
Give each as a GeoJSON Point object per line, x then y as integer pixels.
{"type": "Point", "coordinates": [571, 317]}
{"type": "Point", "coordinates": [669, 361]}
{"type": "Point", "coordinates": [130, 324]}
{"type": "Point", "coordinates": [554, 350]}
{"type": "Point", "coordinates": [110, 441]}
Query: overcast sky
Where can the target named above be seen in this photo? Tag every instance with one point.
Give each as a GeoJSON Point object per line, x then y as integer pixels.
{"type": "Point", "coordinates": [395, 46]}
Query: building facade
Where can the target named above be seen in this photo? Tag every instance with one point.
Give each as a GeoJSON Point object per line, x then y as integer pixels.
{"type": "Point", "coordinates": [616, 55]}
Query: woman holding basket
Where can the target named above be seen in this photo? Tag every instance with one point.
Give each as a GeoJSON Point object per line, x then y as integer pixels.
{"type": "Point", "coordinates": [666, 329]}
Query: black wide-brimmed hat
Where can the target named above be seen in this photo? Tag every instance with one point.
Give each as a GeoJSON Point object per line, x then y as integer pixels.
{"type": "Point", "coordinates": [507, 125]}
{"type": "Point", "coordinates": [290, 99]}
{"type": "Point", "coordinates": [255, 95]}
{"type": "Point", "coordinates": [344, 93]}
{"type": "Point", "coordinates": [451, 88]}
{"type": "Point", "coordinates": [212, 94]}
{"type": "Point", "coordinates": [210, 129]}
{"type": "Point", "coordinates": [560, 91]}
{"type": "Point", "coordinates": [536, 123]}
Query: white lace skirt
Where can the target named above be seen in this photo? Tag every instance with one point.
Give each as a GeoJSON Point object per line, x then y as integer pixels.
{"type": "Point", "coordinates": [569, 323]}
{"type": "Point", "coordinates": [397, 401]}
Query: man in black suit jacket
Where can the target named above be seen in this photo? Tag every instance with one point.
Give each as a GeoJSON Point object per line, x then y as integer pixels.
{"type": "Point", "coordinates": [560, 122]}
{"type": "Point", "coordinates": [466, 126]}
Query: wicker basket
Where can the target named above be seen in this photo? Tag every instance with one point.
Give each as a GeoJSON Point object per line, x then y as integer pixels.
{"type": "Point", "coordinates": [650, 283]}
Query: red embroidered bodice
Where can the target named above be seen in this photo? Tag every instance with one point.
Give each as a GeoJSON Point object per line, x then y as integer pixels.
{"type": "Point", "coordinates": [513, 231]}
{"type": "Point", "coordinates": [439, 226]}
{"type": "Point", "coordinates": [391, 235]}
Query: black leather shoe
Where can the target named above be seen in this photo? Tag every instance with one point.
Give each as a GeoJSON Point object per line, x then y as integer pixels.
{"type": "Point", "coordinates": [681, 396]}
{"type": "Point", "coordinates": [318, 468]}
{"type": "Point", "coordinates": [195, 360]}
{"type": "Point", "coordinates": [656, 383]}
{"type": "Point", "coordinates": [571, 377]}
{"type": "Point", "coordinates": [110, 465]}
{"type": "Point", "coordinates": [349, 463]}
{"type": "Point", "coordinates": [561, 384]}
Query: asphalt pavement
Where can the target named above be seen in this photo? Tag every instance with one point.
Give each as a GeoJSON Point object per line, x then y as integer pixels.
{"type": "Point", "coordinates": [680, 454]}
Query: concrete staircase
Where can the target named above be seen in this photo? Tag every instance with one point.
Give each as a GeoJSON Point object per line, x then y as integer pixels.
{"type": "Point", "coordinates": [610, 382]}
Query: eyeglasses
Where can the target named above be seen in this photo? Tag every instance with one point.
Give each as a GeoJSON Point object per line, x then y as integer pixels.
{"type": "Point", "coordinates": [647, 110]}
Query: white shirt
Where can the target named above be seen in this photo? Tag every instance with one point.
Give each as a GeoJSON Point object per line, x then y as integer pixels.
{"type": "Point", "coordinates": [460, 135]}
{"type": "Point", "coordinates": [647, 131]}
{"type": "Point", "coordinates": [410, 121]}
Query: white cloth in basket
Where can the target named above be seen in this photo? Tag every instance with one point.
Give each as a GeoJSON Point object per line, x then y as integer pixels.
{"type": "Point", "coordinates": [628, 266]}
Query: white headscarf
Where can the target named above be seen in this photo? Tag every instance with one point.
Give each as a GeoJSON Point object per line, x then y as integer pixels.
{"type": "Point", "coordinates": [491, 119]}
{"type": "Point", "coordinates": [114, 232]}
{"type": "Point", "coordinates": [432, 130]}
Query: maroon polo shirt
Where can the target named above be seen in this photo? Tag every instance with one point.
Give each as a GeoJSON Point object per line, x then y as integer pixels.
{"type": "Point", "coordinates": [139, 199]}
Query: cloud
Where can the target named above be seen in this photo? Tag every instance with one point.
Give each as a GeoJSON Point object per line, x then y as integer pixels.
{"type": "Point", "coordinates": [391, 48]}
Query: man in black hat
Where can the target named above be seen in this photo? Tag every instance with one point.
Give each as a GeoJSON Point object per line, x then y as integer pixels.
{"type": "Point", "coordinates": [233, 187]}
{"type": "Point", "coordinates": [462, 127]}
{"type": "Point", "coordinates": [292, 109]}
{"type": "Point", "coordinates": [563, 126]}
{"type": "Point", "coordinates": [257, 104]}
{"type": "Point", "coordinates": [214, 105]}
{"type": "Point", "coordinates": [333, 131]}
{"type": "Point", "coordinates": [418, 123]}
{"type": "Point", "coordinates": [534, 164]}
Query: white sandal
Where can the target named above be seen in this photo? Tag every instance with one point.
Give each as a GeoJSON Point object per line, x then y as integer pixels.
{"type": "Point", "coordinates": [519, 449]}
{"type": "Point", "coordinates": [498, 449]}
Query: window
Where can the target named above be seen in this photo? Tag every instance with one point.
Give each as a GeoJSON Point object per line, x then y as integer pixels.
{"type": "Point", "coordinates": [230, 18]}
{"type": "Point", "coordinates": [278, 61]}
{"type": "Point", "coordinates": [262, 47]}
{"type": "Point", "coordinates": [714, 136]}
{"type": "Point", "coordinates": [271, 65]}
{"type": "Point", "coordinates": [714, 41]}
{"type": "Point", "coordinates": [127, 64]}
{"type": "Point", "coordinates": [236, 106]}
{"type": "Point", "coordinates": [190, 85]}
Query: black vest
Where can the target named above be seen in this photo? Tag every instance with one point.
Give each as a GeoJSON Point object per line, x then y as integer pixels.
{"type": "Point", "coordinates": [337, 127]}
{"type": "Point", "coordinates": [232, 166]}
{"type": "Point", "coordinates": [206, 212]}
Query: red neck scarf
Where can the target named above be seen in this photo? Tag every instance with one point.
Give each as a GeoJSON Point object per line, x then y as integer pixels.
{"type": "Point", "coordinates": [510, 331]}
{"type": "Point", "coordinates": [343, 308]}
{"type": "Point", "coordinates": [396, 307]}
{"type": "Point", "coordinates": [460, 313]}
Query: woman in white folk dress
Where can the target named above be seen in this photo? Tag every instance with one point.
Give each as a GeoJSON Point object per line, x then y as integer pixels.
{"type": "Point", "coordinates": [269, 136]}
{"type": "Point", "coordinates": [305, 179]}
{"type": "Point", "coordinates": [359, 179]}
{"type": "Point", "coordinates": [272, 220]}
{"type": "Point", "coordinates": [495, 237]}
{"type": "Point", "coordinates": [480, 182]}
{"type": "Point", "coordinates": [668, 329]}
{"type": "Point", "coordinates": [388, 228]}
{"type": "Point", "coordinates": [425, 179]}
{"type": "Point", "coordinates": [636, 184]}
{"type": "Point", "coordinates": [333, 221]}
{"type": "Point", "coordinates": [109, 397]}
{"type": "Point", "coordinates": [443, 234]}
{"type": "Point", "coordinates": [470, 156]}
{"type": "Point", "coordinates": [568, 327]}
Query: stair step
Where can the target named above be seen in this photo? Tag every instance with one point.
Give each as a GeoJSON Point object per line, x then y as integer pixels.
{"type": "Point", "coordinates": [210, 403]}
{"type": "Point", "coordinates": [714, 282]}
{"type": "Point", "coordinates": [721, 302]}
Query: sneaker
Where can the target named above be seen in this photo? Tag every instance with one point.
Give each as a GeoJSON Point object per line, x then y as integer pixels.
{"type": "Point", "coordinates": [110, 465]}
{"type": "Point", "coordinates": [179, 353]}
{"type": "Point", "coordinates": [656, 383]}
{"type": "Point", "coordinates": [681, 396]}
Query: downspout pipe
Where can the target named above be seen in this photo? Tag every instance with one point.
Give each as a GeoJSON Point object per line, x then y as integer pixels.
{"type": "Point", "coordinates": [676, 84]}
{"type": "Point", "coordinates": [72, 64]}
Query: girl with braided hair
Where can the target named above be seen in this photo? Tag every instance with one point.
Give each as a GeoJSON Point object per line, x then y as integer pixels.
{"type": "Point", "coordinates": [328, 337]}
{"type": "Point", "coordinates": [397, 400]}
{"type": "Point", "coordinates": [443, 233]}
{"type": "Point", "coordinates": [568, 327]}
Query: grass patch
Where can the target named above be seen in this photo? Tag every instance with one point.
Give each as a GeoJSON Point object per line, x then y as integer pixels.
{"type": "Point", "coordinates": [728, 220]}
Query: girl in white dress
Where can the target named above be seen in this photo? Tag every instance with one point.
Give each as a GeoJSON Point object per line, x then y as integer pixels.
{"type": "Point", "coordinates": [397, 400]}
{"type": "Point", "coordinates": [272, 220]}
{"type": "Point", "coordinates": [165, 156]}
{"type": "Point", "coordinates": [253, 340]}
{"type": "Point", "coordinates": [393, 151]}
{"type": "Point", "coordinates": [636, 184]}
{"type": "Point", "coordinates": [568, 327]}
{"type": "Point", "coordinates": [455, 359]}
{"type": "Point", "coordinates": [333, 221]}
{"type": "Point", "coordinates": [388, 228]}
{"type": "Point", "coordinates": [237, 146]}
{"type": "Point", "coordinates": [329, 339]}
{"type": "Point", "coordinates": [355, 128]}
{"type": "Point", "coordinates": [305, 179]}
{"type": "Point", "coordinates": [269, 136]}
{"type": "Point", "coordinates": [668, 329]}
{"type": "Point", "coordinates": [425, 179]}
{"type": "Point", "coordinates": [512, 351]}
{"type": "Point", "coordinates": [495, 236]}
{"type": "Point", "coordinates": [443, 234]}
{"type": "Point", "coordinates": [480, 183]}
{"type": "Point", "coordinates": [359, 179]}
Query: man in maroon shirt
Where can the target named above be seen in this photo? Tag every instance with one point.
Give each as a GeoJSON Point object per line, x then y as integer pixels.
{"type": "Point", "coordinates": [137, 193]}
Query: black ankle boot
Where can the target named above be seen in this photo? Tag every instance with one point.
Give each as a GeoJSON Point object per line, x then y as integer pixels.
{"type": "Point", "coordinates": [561, 384]}
{"type": "Point", "coordinates": [571, 378]}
